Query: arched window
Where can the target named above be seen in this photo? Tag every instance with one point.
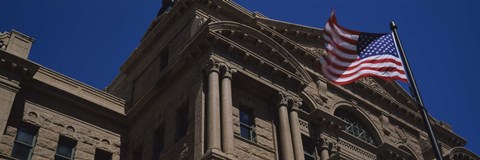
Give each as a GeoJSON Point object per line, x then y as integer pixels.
{"type": "Point", "coordinates": [355, 127]}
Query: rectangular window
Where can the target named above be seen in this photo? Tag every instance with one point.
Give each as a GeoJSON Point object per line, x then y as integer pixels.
{"type": "Point", "coordinates": [24, 142]}
{"type": "Point", "coordinates": [102, 155]}
{"type": "Point", "coordinates": [308, 148]}
{"type": "Point", "coordinates": [182, 123]}
{"type": "Point", "coordinates": [159, 135]}
{"type": "Point", "coordinates": [65, 149]}
{"type": "Point", "coordinates": [247, 125]}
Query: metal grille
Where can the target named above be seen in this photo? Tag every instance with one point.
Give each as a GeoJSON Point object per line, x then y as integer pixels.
{"type": "Point", "coordinates": [354, 127]}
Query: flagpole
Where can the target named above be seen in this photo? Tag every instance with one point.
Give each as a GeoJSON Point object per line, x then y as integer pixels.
{"type": "Point", "coordinates": [416, 94]}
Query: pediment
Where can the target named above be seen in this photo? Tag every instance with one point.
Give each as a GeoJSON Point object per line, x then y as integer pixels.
{"type": "Point", "coordinates": [263, 49]}
{"type": "Point", "coordinates": [390, 89]}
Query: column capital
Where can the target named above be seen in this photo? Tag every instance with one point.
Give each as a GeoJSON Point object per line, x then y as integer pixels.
{"type": "Point", "coordinates": [227, 70]}
{"type": "Point", "coordinates": [283, 99]}
{"type": "Point", "coordinates": [323, 142]}
{"type": "Point", "coordinates": [297, 102]}
{"type": "Point", "coordinates": [334, 147]}
{"type": "Point", "coordinates": [212, 65]}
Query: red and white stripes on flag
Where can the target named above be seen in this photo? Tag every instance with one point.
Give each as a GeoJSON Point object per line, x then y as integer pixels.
{"type": "Point", "coordinates": [352, 55]}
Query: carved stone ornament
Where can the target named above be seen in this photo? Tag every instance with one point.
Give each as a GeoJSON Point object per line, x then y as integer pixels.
{"type": "Point", "coordinates": [385, 124]}
{"type": "Point", "coordinates": [371, 82]}
{"type": "Point", "coordinates": [425, 144]}
{"type": "Point", "coordinates": [322, 90]}
{"type": "Point", "coordinates": [297, 102]}
{"type": "Point", "coordinates": [227, 70]}
{"type": "Point", "coordinates": [212, 65]}
{"type": "Point", "coordinates": [401, 134]}
{"type": "Point", "coordinates": [283, 98]}
{"type": "Point", "coordinates": [333, 146]}
{"type": "Point", "coordinates": [324, 142]}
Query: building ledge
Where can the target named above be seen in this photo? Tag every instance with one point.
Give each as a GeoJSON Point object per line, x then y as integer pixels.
{"type": "Point", "coordinates": [79, 89]}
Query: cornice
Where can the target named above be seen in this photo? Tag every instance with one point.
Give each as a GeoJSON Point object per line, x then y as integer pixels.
{"type": "Point", "coordinates": [22, 66]}
{"type": "Point", "coordinates": [389, 101]}
{"type": "Point", "coordinates": [323, 118]}
{"type": "Point", "coordinates": [390, 151]}
{"type": "Point", "coordinates": [297, 29]}
{"type": "Point", "coordinates": [77, 88]}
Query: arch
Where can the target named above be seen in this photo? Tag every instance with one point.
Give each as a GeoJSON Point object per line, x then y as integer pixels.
{"type": "Point", "coordinates": [230, 25]}
{"type": "Point", "coordinates": [461, 153]}
{"type": "Point", "coordinates": [362, 118]}
{"type": "Point", "coordinates": [409, 150]}
{"type": "Point", "coordinates": [308, 102]}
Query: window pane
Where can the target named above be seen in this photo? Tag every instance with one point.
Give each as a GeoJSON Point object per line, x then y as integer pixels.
{"type": "Point", "coordinates": [308, 148]}
{"type": "Point", "coordinates": [24, 136]}
{"type": "Point", "coordinates": [245, 118]}
{"type": "Point", "coordinates": [64, 150]}
{"type": "Point", "coordinates": [102, 155]}
{"type": "Point", "coordinates": [21, 151]}
{"type": "Point", "coordinates": [245, 132]}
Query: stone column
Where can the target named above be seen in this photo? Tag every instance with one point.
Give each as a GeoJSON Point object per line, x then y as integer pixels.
{"type": "Point", "coordinates": [324, 149]}
{"type": "Point", "coordinates": [226, 110]}
{"type": "Point", "coordinates": [286, 150]}
{"type": "Point", "coordinates": [296, 135]}
{"type": "Point", "coordinates": [213, 108]}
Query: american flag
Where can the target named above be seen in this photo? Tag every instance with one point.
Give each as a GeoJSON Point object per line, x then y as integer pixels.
{"type": "Point", "coordinates": [353, 55]}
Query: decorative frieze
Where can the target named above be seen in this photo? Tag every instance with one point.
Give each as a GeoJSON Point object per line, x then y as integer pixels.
{"type": "Point", "coordinates": [304, 126]}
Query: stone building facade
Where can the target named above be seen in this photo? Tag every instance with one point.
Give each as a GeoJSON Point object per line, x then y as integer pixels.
{"type": "Point", "coordinates": [210, 80]}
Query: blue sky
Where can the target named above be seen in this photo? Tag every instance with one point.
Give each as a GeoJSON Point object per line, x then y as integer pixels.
{"type": "Point", "coordinates": [89, 40]}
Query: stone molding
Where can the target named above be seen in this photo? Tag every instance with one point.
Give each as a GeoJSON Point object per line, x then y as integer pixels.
{"type": "Point", "coordinates": [292, 102]}
{"type": "Point", "coordinates": [227, 71]}
{"type": "Point", "coordinates": [354, 150]}
{"type": "Point", "coordinates": [218, 27]}
{"type": "Point", "coordinates": [80, 89]}
{"type": "Point", "coordinates": [212, 65]}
